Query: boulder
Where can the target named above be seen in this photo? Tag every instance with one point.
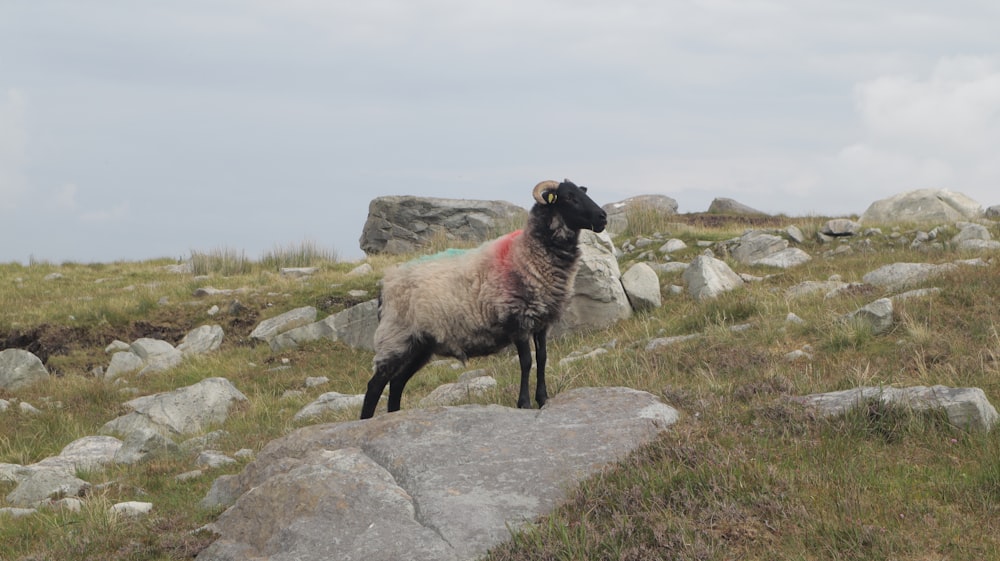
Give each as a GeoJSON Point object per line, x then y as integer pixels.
{"type": "Point", "coordinates": [201, 340]}
{"type": "Point", "coordinates": [760, 248]}
{"type": "Point", "coordinates": [722, 205]}
{"type": "Point", "coordinates": [840, 227]}
{"type": "Point", "coordinates": [899, 275]}
{"type": "Point", "coordinates": [459, 392]}
{"type": "Point", "coordinates": [618, 212]}
{"type": "Point", "coordinates": [672, 245]}
{"type": "Point", "coordinates": [40, 485]}
{"type": "Point", "coordinates": [708, 277]}
{"type": "Point", "coordinates": [355, 326]}
{"type": "Point", "coordinates": [19, 368]}
{"type": "Point", "coordinates": [89, 453]}
{"type": "Point", "coordinates": [993, 212]}
{"type": "Point", "coordinates": [642, 286]}
{"type": "Point", "coordinates": [156, 355]}
{"type": "Point", "coordinates": [967, 408]}
{"type": "Point", "coordinates": [598, 299]}
{"type": "Point", "coordinates": [923, 206]}
{"type": "Point", "coordinates": [405, 224]}
{"type": "Point", "coordinates": [445, 483]}
{"type": "Point", "coordinates": [330, 401]}
{"type": "Point", "coordinates": [123, 362]}
{"type": "Point", "coordinates": [143, 444]}
{"type": "Point", "coordinates": [876, 315]}
{"type": "Point", "coordinates": [271, 327]}
{"type": "Point", "coordinates": [187, 410]}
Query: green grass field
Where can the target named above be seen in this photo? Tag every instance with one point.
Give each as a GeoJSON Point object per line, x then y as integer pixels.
{"type": "Point", "coordinates": [745, 473]}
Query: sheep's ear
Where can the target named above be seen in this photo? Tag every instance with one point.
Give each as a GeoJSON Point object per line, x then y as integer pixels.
{"type": "Point", "coordinates": [582, 188]}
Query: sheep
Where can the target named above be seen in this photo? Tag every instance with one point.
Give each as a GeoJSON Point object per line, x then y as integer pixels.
{"type": "Point", "coordinates": [508, 291]}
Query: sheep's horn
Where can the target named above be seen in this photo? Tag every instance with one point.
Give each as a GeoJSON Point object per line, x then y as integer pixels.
{"type": "Point", "coordinates": [542, 187]}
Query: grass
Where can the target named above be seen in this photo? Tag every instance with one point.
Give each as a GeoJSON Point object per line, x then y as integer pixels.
{"type": "Point", "coordinates": [745, 474]}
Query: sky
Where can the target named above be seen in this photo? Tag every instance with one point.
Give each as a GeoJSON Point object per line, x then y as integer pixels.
{"type": "Point", "coordinates": [138, 130]}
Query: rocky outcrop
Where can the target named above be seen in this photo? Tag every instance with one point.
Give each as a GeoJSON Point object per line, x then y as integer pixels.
{"type": "Point", "coordinates": [19, 368]}
{"type": "Point", "coordinates": [923, 206]}
{"type": "Point", "coordinates": [967, 408]}
{"type": "Point", "coordinates": [423, 484]}
{"type": "Point", "coordinates": [722, 205]}
{"type": "Point", "coordinates": [598, 299]}
{"type": "Point", "coordinates": [187, 410]}
{"type": "Point", "coordinates": [405, 224]}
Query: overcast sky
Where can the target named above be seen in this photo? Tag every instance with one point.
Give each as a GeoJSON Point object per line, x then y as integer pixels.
{"type": "Point", "coordinates": [136, 130]}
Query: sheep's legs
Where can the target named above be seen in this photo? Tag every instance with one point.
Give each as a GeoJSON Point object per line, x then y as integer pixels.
{"type": "Point", "coordinates": [541, 393]}
{"type": "Point", "coordinates": [395, 372]}
{"type": "Point", "coordinates": [524, 356]}
{"type": "Point", "coordinates": [398, 382]}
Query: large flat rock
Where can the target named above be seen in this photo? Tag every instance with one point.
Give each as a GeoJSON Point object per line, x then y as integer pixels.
{"type": "Point", "coordinates": [443, 483]}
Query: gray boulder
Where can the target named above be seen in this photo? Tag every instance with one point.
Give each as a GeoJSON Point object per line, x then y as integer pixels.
{"type": "Point", "coordinates": [760, 248]}
{"type": "Point", "coordinates": [899, 275]}
{"type": "Point", "coordinates": [642, 286]}
{"type": "Point", "coordinates": [722, 205]}
{"type": "Point", "coordinates": [271, 327]}
{"type": "Point", "coordinates": [40, 485]}
{"type": "Point", "coordinates": [405, 224]}
{"type": "Point", "coordinates": [445, 483]}
{"type": "Point", "coordinates": [923, 206]}
{"type": "Point", "coordinates": [967, 408]}
{"type": "Point", "coordinates": [459, 392]}
{"type": "Point", "coordinates": [123, 362]}
{"type": "Point", "coordinates": [187, 410]}
{"type": "Point", "coordinates": [19, 368]}
{"type": "Point", "coordinates": [156, 355]}
{"type": "Point", "coordinates": [144, 444]}
{"type": "Point", "coordinates": [974, 237]}
{"type": "Point", "coordinates": [89, 453]}
{"type": "Point", "coordinates": [330, 401]}
{"type": "Point", "coordinates": [598, 299]}
{"type": "Point", "coordinates": [840, 227]}
{"type": "Point", "coordinates": [877, 315]}
{"type": "Point", "coordinates": [355, 326]}
{"type": "Point", "coordinates": [618, 212]}
{"type": "Point", "coordinates": [201, 340]}
{"type": "Point", "coordinates": [708, 277]}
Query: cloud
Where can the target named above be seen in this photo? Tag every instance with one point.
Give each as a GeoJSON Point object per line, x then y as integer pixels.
{"type": "Point", "coordinates": [12, 148]}
{"type": "Point", "coordinates": [65, 198]}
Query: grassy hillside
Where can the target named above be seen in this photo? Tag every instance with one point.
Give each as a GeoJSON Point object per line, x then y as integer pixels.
{"type": "Point", "coordinates": [744, 475]}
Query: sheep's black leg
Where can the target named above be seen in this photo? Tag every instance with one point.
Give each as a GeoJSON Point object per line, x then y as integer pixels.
{"type": "Point", "coordinates": [375, 386]}
{"type": "Point", "coordinates": [417, 361]}
{"type": "Point", "coordinates": [524, 355]}
{"type": "Point", "coordinates": [541, 393]}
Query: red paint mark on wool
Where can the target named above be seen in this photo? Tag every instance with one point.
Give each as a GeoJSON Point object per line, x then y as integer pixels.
{"type": "Point", "coordinates": [503, 250]}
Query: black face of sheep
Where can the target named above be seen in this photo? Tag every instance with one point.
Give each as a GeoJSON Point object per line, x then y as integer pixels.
{"type": "Point", "coordinates": [509, 291]}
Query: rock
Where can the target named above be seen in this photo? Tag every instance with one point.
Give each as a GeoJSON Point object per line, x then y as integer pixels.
{"type": "Point", "coordinates": [578, 356]}
{"type": "Point", "coordinates": [798, 354]}
{"type": "Point", "coordinates": [28, 408]}
{"type": "Point", "coordinates": [201, 340]}
{"type": "Point", "coordinates": [918, 293]}
{"type": "Point", "coordinates": [459, 392]}
{"type": "Point", "coordinates": [899, 275]}
{"type": "Point", "coordinates": [297, 272]}
{"type": "Point", "coordinates": [795, 234]}
{"type": "Point", "coordinates": [618, 212]}
{"type": "Point", "coordinates": [598, 299]}
{"type": "Point", "coordinates": [355, 326]}
{"type": "Point", "coordinates": [123, 362]}
{"type": "Point", "coordinates": [405, 224]}
{"type": "Point", "coordinates": [672, 245]}
{"type": "Point", "coordinates": [117, 346]}
{"type": "Point", "coordinates": [269, 328]}
{"type": "Point", "coordinates": [313, 381]}
{"type": "Point", "coordinates": [722, 205]}
{"type": "Point", "coordinates": [131, 508]}
{"type": "Point", "coordinates": [13, 512]}
{"type": "Point", "coordinates": [760, 248]}
{"type": "Point", "coordinates": [211, 459]}
{"type": "Point", "coordinates": [156, 355]}
{"type": "Point", "coordinates": [660, 342]}
{"type": "Point", "coordinates": [19, 369]}
{"type": "Point", "coordinates": [967, 408]}
{"type": "Point", "coordinates": [708, 277]}
{"type": "Point", "coordinates": [974, 237]}
{"type": "Point", "coordinates": [424, 484]}
{"type": "Point", "coordinates": [204, 442]}
{"type": "Point", "coordinates": [812, 287]}
{"type": "Point", "coordinates": [330, 401]}
{"type": "Point", "coordinates": [361, 270]}
{"type": "Point", "coordinates": [993, 212]}
{"type": "Point", "coordinates": [877, 315]}
{"type": "Point", "coordinates": [923, 206]}
{"type": "Point", "coordinates": [642, 287]}
{"type": "Point", "coordinates": [979, 245]}
{"type": "Point", "coordinates": [4, 405]}
{"type": "Point", "coordinates": [212, 291]}
{"type": "Point", "coordinates": [187, 410]}
{"type": "Point", "coordinates": [669, 268]}
{"type": "Point", "coordinates": [89, 453]}
{"type": "Point", "coordinates": [840, 227]}
{"type": "Point", "coordinates": [143, 444]}
{"type": "Point", "coordinates": [792, 317]}
{"type": "Point", "coordinates": [41, 484]}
